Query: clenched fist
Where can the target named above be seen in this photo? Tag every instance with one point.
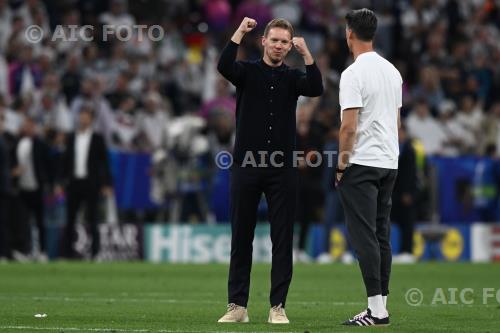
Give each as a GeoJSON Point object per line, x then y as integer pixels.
{"type": "Point", "coordinates": [300, 45]}
{"type": "Point", "coordinates": [247, 25]}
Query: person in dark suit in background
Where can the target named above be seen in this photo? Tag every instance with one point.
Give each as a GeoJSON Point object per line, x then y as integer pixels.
{"type": "Point", "coordinates": [86, 175]}
{"type": "Point", "coordinates": [4, 191]}
{"type": "Point", "coordinates": [404, 197]}
{"type": "Point", "coordinates": [32, 172]}
{"type": "Point", "coordinates": [309, 135]}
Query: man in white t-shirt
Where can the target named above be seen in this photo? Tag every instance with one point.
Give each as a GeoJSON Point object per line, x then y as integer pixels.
{"type": "Point", "coordinates": [370, 99]}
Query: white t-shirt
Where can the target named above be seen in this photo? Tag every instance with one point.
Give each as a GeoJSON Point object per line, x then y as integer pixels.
{"type": "Point", "coordinates": [373, 85]}
{"type": "Point", "coordinates": [27, 179]}
{"type": "Point", "coordinates": [428, 131]}
{"type": "Point", "coordinates": [82, 147]}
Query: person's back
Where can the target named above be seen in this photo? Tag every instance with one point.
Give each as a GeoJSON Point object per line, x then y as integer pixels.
{"type": "Point", "coordinates": [379, 84]}
{"type": "Point", "coordinates": [370, 100]}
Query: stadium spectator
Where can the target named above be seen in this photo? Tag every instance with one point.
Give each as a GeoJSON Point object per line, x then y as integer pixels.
{"type": "Point", "coordinates": [125, 128]}
{"type": "Point", "coordinates": [257, 9]}
{"type": "Point", "coordinates": [71, 26]}
{"type": "Point", "coordinates": [117, 15]}
{"type": "Point", "coordinates": [470, 117]}
{"type": "Point", "coordinates": [5, 25]}
{"type": "Point", "coordinates": [11, 119]}
{"type": "Point", "coordinates": [24, 73]}
{"type": "Point", "coordinates": [91, 94]}
{"type": "Point", "coordinates": [217, 14]}
{"type": "Point", "coordinates": [422, 126]}
{"type": "Point", "coordinates": [458, 140]}
{"type": "Point", "coordinates": [153, 119]}
{"type": "Point", "coordinates": [52, 115]}
{"type": "Point", "coordinates": [223, 102]}
{"type": "Point", "coordinates": [429, 88]}
{"type": "Point", "coordinates": [71, 77]}
{"type": "Point", "coordinates": [30, 9]}
{"type": "Point", "coordinates": [120, 91]}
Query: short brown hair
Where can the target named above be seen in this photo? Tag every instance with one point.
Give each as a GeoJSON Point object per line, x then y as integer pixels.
{"type": "Point", "coordinates": [279, 23]}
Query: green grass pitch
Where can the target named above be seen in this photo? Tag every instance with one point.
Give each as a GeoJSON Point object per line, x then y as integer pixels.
{"type": "Point", "coordinates": [141, 297]}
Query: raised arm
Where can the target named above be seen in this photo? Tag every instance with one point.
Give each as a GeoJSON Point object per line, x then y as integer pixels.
{"type": "Point", "coordinates": [231, 69]}
{"type": "Point", "coordinates": [308, 84]}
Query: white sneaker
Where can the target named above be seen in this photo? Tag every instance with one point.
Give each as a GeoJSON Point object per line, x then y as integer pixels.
{"type": "Point", "coordinates": [235, 314]}
{"type": "Point", "coordinates": [404, 258]}
{"type": "Point", "coordinates": [303, 257]}
{"type": "Point", "coordinates": [20, 257]}
{"type": "Point", "coordinates": [324, 258]}
{"type": "Point", "coordinates": [277, 315]}
{"type": "Point", "coordinates": [347, 258]}
{"type": "Point", "coordinates": [42, 257]}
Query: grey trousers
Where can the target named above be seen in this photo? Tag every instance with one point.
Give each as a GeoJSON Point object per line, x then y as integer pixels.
{"type": "Point", "coordinates": [366, 193]}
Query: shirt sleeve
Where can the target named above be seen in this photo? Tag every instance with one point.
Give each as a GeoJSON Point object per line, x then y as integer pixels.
{"type": "Point", "coordinates": [311, 83]}
{"type": "Point", "coordinates": [400, 92]}
{"type": "Point", "coordinates": [350, 91]}
{"type": "Point", "coordinates": [231, 69]}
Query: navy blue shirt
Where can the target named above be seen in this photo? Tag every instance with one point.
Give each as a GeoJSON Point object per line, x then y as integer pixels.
{"type": "Point", "coordinates": [266, 101]}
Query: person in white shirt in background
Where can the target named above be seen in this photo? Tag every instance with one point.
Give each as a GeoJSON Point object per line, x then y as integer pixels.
{"type": "Point", "coordinates": [470, 116]}
{"type": "Point", "coordinates": [125, 126]}
{"type": "Point", "coordinates": [425, 128]}
{"type": "Point", "coordinates": [370, 100]}
{"type": "Point", "coordinates": [32, 169]}
{"type": "Point", "coordinates": [458, 140]}
{"type": "Point", "coordinates": [153, 120]}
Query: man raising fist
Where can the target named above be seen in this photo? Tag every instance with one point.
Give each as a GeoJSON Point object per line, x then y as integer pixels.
{"type": "Point", "coordinates": [267, 92]}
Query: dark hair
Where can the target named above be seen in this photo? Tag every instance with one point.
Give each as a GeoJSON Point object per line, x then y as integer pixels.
{"type": "Point", "coordinates": [279, 23]}
{"type": "Point", "coordinates": [88, 108]}
{"type": "Point", "coordinates": [363, 23]}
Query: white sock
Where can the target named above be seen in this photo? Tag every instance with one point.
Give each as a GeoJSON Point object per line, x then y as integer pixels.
{"type": "Point", "coordinates": [385, 301]}
{"type": "Point", "coordinates": [376, 305]}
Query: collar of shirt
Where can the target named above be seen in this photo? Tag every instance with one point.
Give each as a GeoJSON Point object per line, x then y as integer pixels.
{"type": "Point", "coordinates": [86, 132]}
{"type": "Point", "coordinates": [266, 67]}
{"type": "Point", "coordinates": [366, 54]}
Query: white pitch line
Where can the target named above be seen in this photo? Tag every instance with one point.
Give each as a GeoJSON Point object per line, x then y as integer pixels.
{"type": "Point", "coordinates": [221, 302]}
{"type": "Point", "coordinates": [76, 329]}
{"type": "Point", "coordinates": [145, 300]}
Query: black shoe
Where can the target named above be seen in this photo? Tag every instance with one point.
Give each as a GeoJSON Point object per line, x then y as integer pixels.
{"type": "Point", "coordinates": [365, 318]}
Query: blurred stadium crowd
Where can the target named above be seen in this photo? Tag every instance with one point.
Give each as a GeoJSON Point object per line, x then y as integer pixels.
{"type": "Point", "coordinates": [166, 98]}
